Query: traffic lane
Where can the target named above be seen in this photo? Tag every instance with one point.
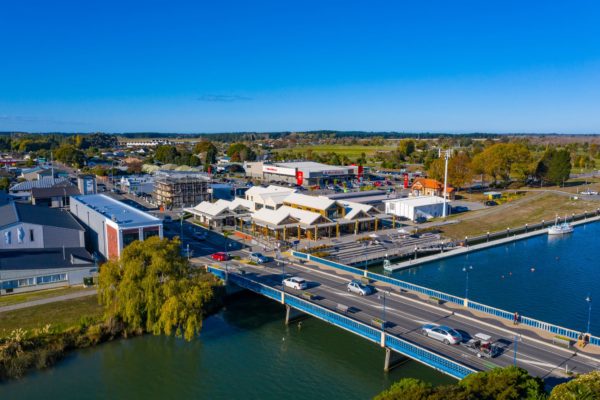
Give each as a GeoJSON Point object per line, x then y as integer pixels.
{"type": "Point", "coordinates": [410, 321]}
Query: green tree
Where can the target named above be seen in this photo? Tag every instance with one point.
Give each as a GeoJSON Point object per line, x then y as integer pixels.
{"type": "Point", "coordinates": [406, 147]}
{"type": "Point", "coordinates": [166, 154]}
{"type": "Point", "coordinates": [583, 387]}
{"type": "Point", "coordinates": [4, 183]}
{"type": "Point", "coordinates": [510, 383]}
{"type": "Point", "coordinates": [554, 167]}
{"type": "Point", "coordinates": [503, 161]}
{"type": "Point", "coordinates": [407, 389]}
{"type": "Point", "coordinates": [70, 155]}
{"type": "Point", "coordinates": [240, 152]}
{"type": "Point", "coordinates": [152, 288]}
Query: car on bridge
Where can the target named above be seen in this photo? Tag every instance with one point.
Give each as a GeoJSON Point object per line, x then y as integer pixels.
{"type": "Point", "coordinates": [295, 283]}
{"type": "Point", "coordinates": [442, 333]}
{"type": "Point", "coordinates": [220, 256]}
{"type": "Point", "coordinates": [258, 258]}
{"type": "Point", "coordinates": [356, 286]}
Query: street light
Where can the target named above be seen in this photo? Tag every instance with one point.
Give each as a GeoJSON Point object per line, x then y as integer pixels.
{"type": "Point", "coordinates": [466, 270]}
{"type": "Point", "coordinates": [383, 295]}
{"type": "Point", "coordinates": [364, 246]}
{"type": "Point", "coordinates": [589, 300]}
{"type": "Point", "coordinates": [181, 228]}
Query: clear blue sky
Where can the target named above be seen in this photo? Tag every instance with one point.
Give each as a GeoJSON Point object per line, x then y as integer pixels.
{"type": "Point", "coordinates": [214, 66]}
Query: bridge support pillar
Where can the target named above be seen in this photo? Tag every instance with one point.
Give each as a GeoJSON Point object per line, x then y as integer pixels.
{"type": "Point", "coordinates": [392, 359]}
{"type": "Point", "coordinates": [466, 303]}
{"type": "Point", "coordinates": [292, 315]}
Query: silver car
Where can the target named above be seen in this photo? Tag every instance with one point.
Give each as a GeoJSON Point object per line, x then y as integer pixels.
{"type": "Point", "coordinates": [359, 288]}
{"type": "Point", "coordinates": [442, 333]}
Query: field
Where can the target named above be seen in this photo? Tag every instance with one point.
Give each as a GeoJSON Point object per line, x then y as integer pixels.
{"type": "Point", "coordinates": [42, 294]}
{"type": "Point", "coordinates": [533, 207]}
{"type": "Point", "coordinates": [348, 150]}
{"type": "Point", "coordinates": [61, 314]}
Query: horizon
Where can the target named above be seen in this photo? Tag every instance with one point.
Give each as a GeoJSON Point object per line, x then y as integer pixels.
{"type": "Point", "coordinates": [439, 68]}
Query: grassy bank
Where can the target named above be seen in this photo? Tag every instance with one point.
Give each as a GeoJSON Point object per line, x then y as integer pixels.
{"type": "Point", "coordinates": [347, 150]}
{"type": "Point", "coordinates": [7, 300]}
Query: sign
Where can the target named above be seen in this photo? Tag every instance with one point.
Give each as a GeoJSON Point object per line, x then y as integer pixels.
{"type": "Point", "coordinates": [335, 172]}
{"type": "Point", "coordinates": [299, 178]}
{"type": "Point", "coordinates": [271, 169]}
{"type": "Point", "coordinates": [405, 181]}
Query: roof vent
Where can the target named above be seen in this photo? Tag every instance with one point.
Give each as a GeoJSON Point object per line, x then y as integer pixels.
{"type": "Point", "coordinates": [114, 218]}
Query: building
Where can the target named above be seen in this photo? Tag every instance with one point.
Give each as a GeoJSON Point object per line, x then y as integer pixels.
{"type": "Point", "coordinates": [23, 190]}
{"type": "Point", "coordinates": [175, 189]}
{"type": "Point", "coordinates": [143, 184]}
{"type": "Point", "coordinates": [417, 208]}
{"type": "Point", "coordinates": [221, 213]}
{"type": "Point", "coordinates": [37, 269]}
{"type": "Point", "coordinates": [111, 225]}
{"type": "Point", "coordinates": [87, 184]}
{"type": "Point", "coordinates": [54, 197]}
{"type": "Point", "coordinates": [270, 197]}
{"type": "Point", "coordinates": [431, 187]}
{"type": "Point", "coordinates": [37, 173]}
{"type": "Point", "coordinates": [304, 173]}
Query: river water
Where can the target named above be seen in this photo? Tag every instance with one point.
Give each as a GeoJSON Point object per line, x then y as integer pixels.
{"type": "Point", "coordinates": [246, 351]}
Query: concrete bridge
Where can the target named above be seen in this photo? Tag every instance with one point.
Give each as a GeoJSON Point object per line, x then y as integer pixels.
{"type": "Point", "coordinates": [392, 318]}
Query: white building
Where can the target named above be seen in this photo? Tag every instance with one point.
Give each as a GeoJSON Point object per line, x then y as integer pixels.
{"type": "Point", "coordinates": [137, 184]}
{"type": "Point", "coordinates": [417, 208]}
{"type": "Point", "coordinates": [270, 197]}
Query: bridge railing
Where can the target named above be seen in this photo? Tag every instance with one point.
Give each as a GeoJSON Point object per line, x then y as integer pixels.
{"type": "Point", "coordinates": [368, 332]}
{"type": "Point", "coordinates": [496, 312]}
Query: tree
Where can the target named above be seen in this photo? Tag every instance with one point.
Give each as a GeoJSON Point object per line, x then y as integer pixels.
{"type": "Point", "coordinates": [166, 154]}
{"type": "Point", "coordinates": [510, 383]}
{"type": "Point", "coordinates": [406, 147]}
{"type": "Point", "coordinates": [68, 154]}
{"type": "Point", "coordinates": [407, 389]}
{"type": "Point", "coordinates": [240, 152]}
{"type": "Point", "coordinates": [460, 171]}
{"type": "Point", "coordinates": [4, 183]}
{"type": "Point", "coordinates": [503, 161]}
{"type": "Point", "coordinates": [152, 288]}
{"type": "Point", "coordinates": [554, 167]}
{"type": "Point", "coordinates": [585, 386]}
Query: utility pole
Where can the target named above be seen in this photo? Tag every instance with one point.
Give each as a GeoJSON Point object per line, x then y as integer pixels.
{"type": "Point", "coordinates": [446, 156]}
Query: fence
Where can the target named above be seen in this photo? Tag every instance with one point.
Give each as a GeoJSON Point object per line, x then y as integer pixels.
{"type": "Point", "coordinates": [496, 312]}
{"type": "Point", "coordinates": [370, 333]}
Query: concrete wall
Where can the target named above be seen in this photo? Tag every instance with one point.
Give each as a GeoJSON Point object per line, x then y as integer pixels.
{"type": "Point", "coordinates": [75, 276]}
{"type": "Point", "coordinates": [94, 224]}
{"type": "Point", "coordinates": [38, 237]}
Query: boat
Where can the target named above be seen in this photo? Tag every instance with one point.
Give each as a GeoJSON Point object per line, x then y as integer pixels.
{"type": "Point", "coordinates": [560, 229]}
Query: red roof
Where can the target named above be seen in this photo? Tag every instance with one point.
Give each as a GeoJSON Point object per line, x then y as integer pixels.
{"type": "Point", "coordinates": [431, 184]}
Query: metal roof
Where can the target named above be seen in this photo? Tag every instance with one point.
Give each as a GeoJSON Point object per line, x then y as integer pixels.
{"type": "Point", "coordinates": [19, 212]}
{"type": "Point", "coordinates": [41, 183]}
{"type": "Point", "coordinates": [119, 212]}
{"type": "Point", "coordinates": [70, 257]}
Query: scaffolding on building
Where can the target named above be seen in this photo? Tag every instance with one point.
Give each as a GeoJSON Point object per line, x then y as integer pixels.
{"type": "Point", "coordinates": [178, 189]}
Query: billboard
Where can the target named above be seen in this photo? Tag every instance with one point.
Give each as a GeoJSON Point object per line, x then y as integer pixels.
{"type": "Point", "coordinates": [271, 169]}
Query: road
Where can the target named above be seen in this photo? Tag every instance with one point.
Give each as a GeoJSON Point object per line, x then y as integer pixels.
{"type": "Point", "coordinates": [406, 314]}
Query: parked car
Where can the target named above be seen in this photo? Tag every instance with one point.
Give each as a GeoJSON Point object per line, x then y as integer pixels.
{"type": "Point", "coordinates": [442, 333]}
{"type": "Point", "coordinates": [359, 288]}
{"type": "Point", "coordinates": [220, 256]}
{"type": "Point", "coordinates": [258, 258]}
{"type": "Point", "coordinates": [295, 283]}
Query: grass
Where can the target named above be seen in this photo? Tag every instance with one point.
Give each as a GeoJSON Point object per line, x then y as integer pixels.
{"type": "Point", "coordinates": [7, 300]}
{"type": "Point", "coordinates": [60, 315]}
{"type": "Point", "coordinates": [531, 208]}
{"type": "Point", "coordinates": [348, 150]}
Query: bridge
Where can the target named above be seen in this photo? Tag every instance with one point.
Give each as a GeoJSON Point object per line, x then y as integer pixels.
{"type": "Point", "coordinates": [392, 318]}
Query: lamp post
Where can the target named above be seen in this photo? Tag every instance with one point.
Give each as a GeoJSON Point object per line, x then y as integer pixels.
{"type": "Point", "coordinates": [364, 246]}
{"type": "Point", "coordinates": [383, 295]}
{"type": "Point", "coordinates": [466, 270]}
{"type": "Point", "coordinates": [589, 301]}
{"type": "Point", "coordinates": [181, 228]}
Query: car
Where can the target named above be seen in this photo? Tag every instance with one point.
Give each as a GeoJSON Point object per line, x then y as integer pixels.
{"type": "Point", "coordinates": [258, 258]}
{"type": "Point", "coordinates": [295, 283]}
{"type": "Point", "coordinates": [359, 288]}
{"type": "Point", "coordinates": [220, 256]}
{"type": "Point", "coordinates": [442, 333]}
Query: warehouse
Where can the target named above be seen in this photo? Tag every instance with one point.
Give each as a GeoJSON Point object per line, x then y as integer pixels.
{"type": "Point", "coordinates": [303, 173]}
{"type": "Point", "coordinates": [111, 225]}
{"type": "Point", "coordinates": [417, 208]}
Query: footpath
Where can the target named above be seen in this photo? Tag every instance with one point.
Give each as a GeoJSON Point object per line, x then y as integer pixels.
{"type": "Point", "coordinates": [33, 303]}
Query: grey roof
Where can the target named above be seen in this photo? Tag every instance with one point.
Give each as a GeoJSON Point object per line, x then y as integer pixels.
{"type": "Point", "coordinates": [55, 191]}
{"type": "Point", "coordinates": [121, 213]}
{"type": "Point", "coordinates": [19, 212]}
{"type": "Point", "coordinates": [41, 183]}
{"type": "Point", "coordinates": [44, 258]}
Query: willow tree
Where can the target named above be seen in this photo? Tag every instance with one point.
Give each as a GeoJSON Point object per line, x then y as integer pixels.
{"type": "Point", "coordinates": [153, 288]}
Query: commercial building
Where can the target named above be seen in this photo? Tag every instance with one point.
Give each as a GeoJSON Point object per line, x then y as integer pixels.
{"type": "Point", "coordinates": [221, 213]}
{"type": "Point", "coordinates": [175, 189]}
{"type": "Point", "coordinates": [111, 225]}
{"type": "Point", "coordinates": [137, 184]}
{"type": "Point", "coordinates": [304, 173]}
{"type": "Point", "coordinates": [270, 197]}
{"type": "Point", "coordinates": [87, 184]}
{"type": "Point", "coordinates": [54, 197]}
{"type": "Point", "coordinates": [417, 208]}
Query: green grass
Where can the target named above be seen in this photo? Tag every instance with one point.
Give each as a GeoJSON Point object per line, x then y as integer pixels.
{"type": "Point", "coordinates": [7, 300]}
{"type": "Point", "coordinates": [348, 150]}
{"type": "Point", "coordinates": [61, 315]}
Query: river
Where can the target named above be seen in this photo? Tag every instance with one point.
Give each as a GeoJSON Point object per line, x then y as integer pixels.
{"type": "Point", "coordinates": [246, 351]}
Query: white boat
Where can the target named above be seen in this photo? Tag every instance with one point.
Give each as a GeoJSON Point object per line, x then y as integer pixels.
{"type": "Point", "coordinates": [560, 229]}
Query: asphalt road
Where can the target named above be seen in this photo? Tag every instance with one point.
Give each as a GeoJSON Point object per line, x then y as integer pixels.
{"type": "Point", "coordinates": [407, 315]}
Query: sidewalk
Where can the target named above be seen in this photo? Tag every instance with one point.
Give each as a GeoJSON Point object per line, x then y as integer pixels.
{"type": "Point", "coordinates": [48, 300]}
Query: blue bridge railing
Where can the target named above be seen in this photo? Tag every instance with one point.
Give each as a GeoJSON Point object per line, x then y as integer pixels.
{"type": "Point", "coordinates": [370, 333]}
{"type": "Point", "coordinates": [545, 326]}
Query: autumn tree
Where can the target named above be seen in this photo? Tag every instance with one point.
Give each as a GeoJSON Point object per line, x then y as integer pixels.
{"type": "Point", "coordinates": [503, 161]}
{"type": "Point", "coordinates": [152, 288]}
{"type": "Point", "coordinates": [460, 172]}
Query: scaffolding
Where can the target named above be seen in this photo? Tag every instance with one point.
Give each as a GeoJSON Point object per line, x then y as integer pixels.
{"type": "Point", "coordinates": [178, 189]}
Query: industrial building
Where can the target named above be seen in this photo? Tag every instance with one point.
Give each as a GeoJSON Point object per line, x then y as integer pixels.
{"type": "Point", "coordinates": [178, 189]}
{"type": "Point", "coordinates": [304, 173]}
{"type": "Point", "coordinates": [417, 208]}
{"type": "Point", "coordinates": [111, 225]}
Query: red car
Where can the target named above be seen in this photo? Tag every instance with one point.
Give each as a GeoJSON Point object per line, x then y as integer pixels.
{"type": "Point", "coordinates": [220, 256]}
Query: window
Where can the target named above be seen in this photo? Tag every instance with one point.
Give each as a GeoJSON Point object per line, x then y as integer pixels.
{"type": "Point", "coordinates": [31, 237]}
{"type": "Point", "coordinates": [43, 280]}
{"type": "Point", "coordinates": [130, 237]}
{"type": "Point", "coordinates": [8, 237]}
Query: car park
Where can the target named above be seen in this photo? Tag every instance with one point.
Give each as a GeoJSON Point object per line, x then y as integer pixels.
{"type": "Point", "coordinates": [359, 288]}
{"type": "Point", "coordinates": [258, 258]}
{"type": "Point", "coordinates": [220, 256]}
{"type": "Point", "coordinates": [295, 283]}
{"type": "Point", "coordinates": [442, 333]}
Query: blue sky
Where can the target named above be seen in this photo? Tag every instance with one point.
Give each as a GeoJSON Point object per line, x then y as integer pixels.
{"type": "Point", "coordinates": [216, 66]}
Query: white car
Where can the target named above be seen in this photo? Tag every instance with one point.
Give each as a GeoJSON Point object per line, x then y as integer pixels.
{"type": "Point", "coordinates": [442, 333]}
{"type": "Point", "coordinates": [295, 283]}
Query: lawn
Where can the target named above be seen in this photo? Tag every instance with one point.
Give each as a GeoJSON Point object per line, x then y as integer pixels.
{"type": "Point", "coordinates": [7, 300]}
{"type": "Point", "coordinates": [348, 150]}
{"type": "Point", "coordinates": [531, 208]}
{"type": "Point", "coordinates": [62, 314]}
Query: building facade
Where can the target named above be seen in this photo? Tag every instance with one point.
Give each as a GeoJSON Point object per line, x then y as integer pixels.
{"type": "Point", "coordinates": [174, 189]}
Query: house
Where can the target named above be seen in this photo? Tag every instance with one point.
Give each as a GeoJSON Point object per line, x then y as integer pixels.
{"type": "Point", "coordinates": [23, 190]}
{"type": "Point", "coordinates": [112, 225]}
{"type": "Point", "coordinates": [431, 187]}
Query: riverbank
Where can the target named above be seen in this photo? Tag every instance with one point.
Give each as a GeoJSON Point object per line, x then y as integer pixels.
{"type": "Point", "coordinates": [477, 247]}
